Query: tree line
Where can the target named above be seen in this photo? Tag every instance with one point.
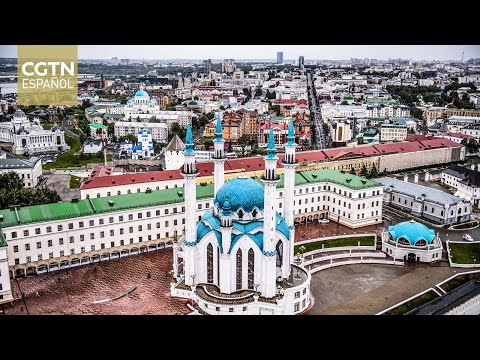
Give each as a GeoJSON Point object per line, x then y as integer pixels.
{"type": "Point", "coordinates": [14, 192]}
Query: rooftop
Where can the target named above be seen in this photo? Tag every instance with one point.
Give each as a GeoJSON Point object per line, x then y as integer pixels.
{"type": "Point", "coordinates": [450, 300]}
{"type": "Point", "coordinates": [466, 176]}
{"type": "Point", "coordinates": [18, 163]}
{"type": "Point", "coordinates": [65, 210]}
{"type": "Point", "coordinates": [176, 144]}
{"type": "Point", "coordinates": [420, 191]}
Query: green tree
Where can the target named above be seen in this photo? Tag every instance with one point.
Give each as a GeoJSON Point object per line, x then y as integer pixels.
{"type": "Point", "coordinates": [258, 92]}
{"type": "Point", "coordinates": [195, 97]}
{"type": "Point", "coordinates": [208, 143]}
{"type": "Point", "coordinates": [471, 145]}
{"type": "Point", "coordinates": [352, 171]}
{"type": "Point", "coordinates": [176, 129]}
{"type": "Point", "coordinates": [10, 181]}
{"type": "Point", "coordinates": [364, 171]}
{"type": "Point", "coordinates": [373, 172]}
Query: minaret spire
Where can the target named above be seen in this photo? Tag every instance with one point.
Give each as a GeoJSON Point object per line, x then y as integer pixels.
{"type": "Point", "coordinates": [219, 157]}
{"type": "Point", "coordinates": [190, 173]}
{"type": "Point", "coordinates": [289, 164]}
{"type": "Point", "coordinates": [270, 180]}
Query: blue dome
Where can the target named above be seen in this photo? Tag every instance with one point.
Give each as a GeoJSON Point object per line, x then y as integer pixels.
{"type": "Point", "coordinates": [243, 193]}
{"type": "Point", "coordinates": [141, 93]}
{"type": "Point", "coordinates": [412, 231]}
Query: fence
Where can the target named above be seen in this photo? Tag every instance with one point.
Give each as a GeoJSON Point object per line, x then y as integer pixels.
{"type": "Point", "coordinates": [351, 262]}
{"type": "Point", "coordinates": [452, 264]}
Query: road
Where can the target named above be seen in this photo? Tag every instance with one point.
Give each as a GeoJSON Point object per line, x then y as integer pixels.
{"type": "Point", "coordinates": [320, 141]}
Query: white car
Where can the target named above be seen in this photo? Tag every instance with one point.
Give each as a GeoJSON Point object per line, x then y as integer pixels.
{"type": "Point", "coordinates": [467, 237]}
{"type": "Point", "coordinates": [323, 221]}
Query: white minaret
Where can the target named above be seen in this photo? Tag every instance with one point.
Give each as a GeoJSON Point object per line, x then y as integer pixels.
{"type": "Point", "coordinates": [226, 224]}
{"type": "Point", "coordinates": [190, 172]}
{"type": "Point", "coordinates": [218, 158]}
{"type": "Point", "coordinates": [289, 165]}
{"type": "Point", "coordinates": [270, 180]}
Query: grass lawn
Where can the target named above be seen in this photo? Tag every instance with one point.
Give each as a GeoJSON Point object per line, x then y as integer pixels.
{"type": "Point", "coordinates": [74, 181]}
{"type": "Point", "coordinates": [413, 304]}
{"type": "Point", "coordinates": [465, 225]}
{"type": "Point", "coordinates": [69, 159]}
{"type": "Point", "coordinates": [459, 280]}
{"type": "Point", "coordinates": [464, 253]}
{"type": "Point", "coordinates": [75, 131]}
{"type": "Point", "coordinates": [351, 241]}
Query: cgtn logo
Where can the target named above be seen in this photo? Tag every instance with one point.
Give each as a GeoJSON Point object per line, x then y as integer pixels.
{"type": "Point", "coordinates": [47, 74]}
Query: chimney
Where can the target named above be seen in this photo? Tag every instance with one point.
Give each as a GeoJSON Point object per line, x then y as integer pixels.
{"type": "Point", "coordinates": [415, 179]}
{"type": "Point", "coordinates": [405, 178]}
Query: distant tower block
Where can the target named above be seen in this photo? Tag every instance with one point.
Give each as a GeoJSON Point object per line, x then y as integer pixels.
{"type": "Point", "coordinates": [427, 176]}
{"type": "Point", "coordinates": [415, 178]}
{"type": "Point", "coordinates": [405, 178]}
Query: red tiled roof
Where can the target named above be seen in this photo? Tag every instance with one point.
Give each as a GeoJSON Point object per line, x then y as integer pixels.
{"type": "Point", "coordinates": [457, 135]}
{"type": "Point", "coordinates": [418, 137]}
{"type": "Point", "coordinates": [257, 163]}
{"type": "Point", "coordinates": [439, 142]}
{"type": "Point", "coordinates": [143, 177]}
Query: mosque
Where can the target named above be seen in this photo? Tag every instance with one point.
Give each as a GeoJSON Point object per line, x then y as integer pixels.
{"type": "Point", "coordinates": [412, 241]}
{"type": "Point", "coordinates": [239, 258]}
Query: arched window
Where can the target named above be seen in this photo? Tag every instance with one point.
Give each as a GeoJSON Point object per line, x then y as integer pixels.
{"type": "Point", "coordinates": [251, 268]}
{"type": "Point", "coordinates": [279, 249]}
{"type": "Point", "coordinates": [240, 213]}
{"type": "Point", "coordinates": [239, 269]}
{"type": "Point", "coordinates": [210, 263]}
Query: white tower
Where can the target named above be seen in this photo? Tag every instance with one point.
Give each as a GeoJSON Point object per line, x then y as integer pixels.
{"type": "Point", "coordinates": [270, 180]}
{"type": "Point", "coordinates": [289, 165]}
{"type": "Point", "coordinates": [218, 157]}
{"type": "Point", "coordinates": [190, 173]}
{"type": "Point", "coordinates": [226, 226]}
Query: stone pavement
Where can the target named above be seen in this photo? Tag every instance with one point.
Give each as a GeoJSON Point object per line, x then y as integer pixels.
{"type": "Point", "coordinates": [314, 230]}
{"type": "Point", "coordinates": [393, 291]}
{"type": "Point", "coordinates": [75, 290]}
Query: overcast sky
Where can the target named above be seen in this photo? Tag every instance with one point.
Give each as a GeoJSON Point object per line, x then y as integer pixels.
{"type": "Point", "coordinates": [290, 52]}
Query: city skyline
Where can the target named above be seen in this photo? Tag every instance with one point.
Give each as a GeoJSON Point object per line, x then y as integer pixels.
{"type": "Point", "coordinates": [265, 52]}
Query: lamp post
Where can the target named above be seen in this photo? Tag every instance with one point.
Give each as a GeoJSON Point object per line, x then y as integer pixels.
{"type": "Point", "coordinates": [302, 249]}
{"type": "Point", "coordinates": [193, 281]}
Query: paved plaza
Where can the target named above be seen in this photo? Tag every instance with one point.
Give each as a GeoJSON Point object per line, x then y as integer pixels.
{"type": "Point", "coordinates": [76, 290]}
{"type": "Point", "coordinates": [368, 289]}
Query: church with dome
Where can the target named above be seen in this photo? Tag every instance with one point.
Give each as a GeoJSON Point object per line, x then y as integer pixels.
{"type": "Point", "coordinates": [238, 257]}
{"type": "Point", "coordinates": [412, 241]}
{"type": "Point", "coordinates": [140, 105]}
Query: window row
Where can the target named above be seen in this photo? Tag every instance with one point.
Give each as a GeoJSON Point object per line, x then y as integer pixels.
{"type": "Point", "coordinates": [101, 221]}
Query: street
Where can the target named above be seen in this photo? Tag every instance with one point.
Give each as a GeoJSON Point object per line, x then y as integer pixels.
{"type": "Point", "coordinates": [320, 142]}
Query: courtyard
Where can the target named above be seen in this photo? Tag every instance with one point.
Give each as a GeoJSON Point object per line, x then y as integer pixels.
{"type": "Point", "coordinates": [85, 289]}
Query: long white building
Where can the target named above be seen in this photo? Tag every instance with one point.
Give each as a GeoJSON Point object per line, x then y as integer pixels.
{"type": "Point", "coordinates": [435, 205]}
{"type": "Point", "coordinates": [55, 236]}
{"type": "Point", "coordinates": [159, 130]}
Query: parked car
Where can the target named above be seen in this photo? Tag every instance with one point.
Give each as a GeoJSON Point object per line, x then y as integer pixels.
{"type": "Point", "coordinates": [323, 221]}
{"type": "Point", "coordinates": [467, 237]}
